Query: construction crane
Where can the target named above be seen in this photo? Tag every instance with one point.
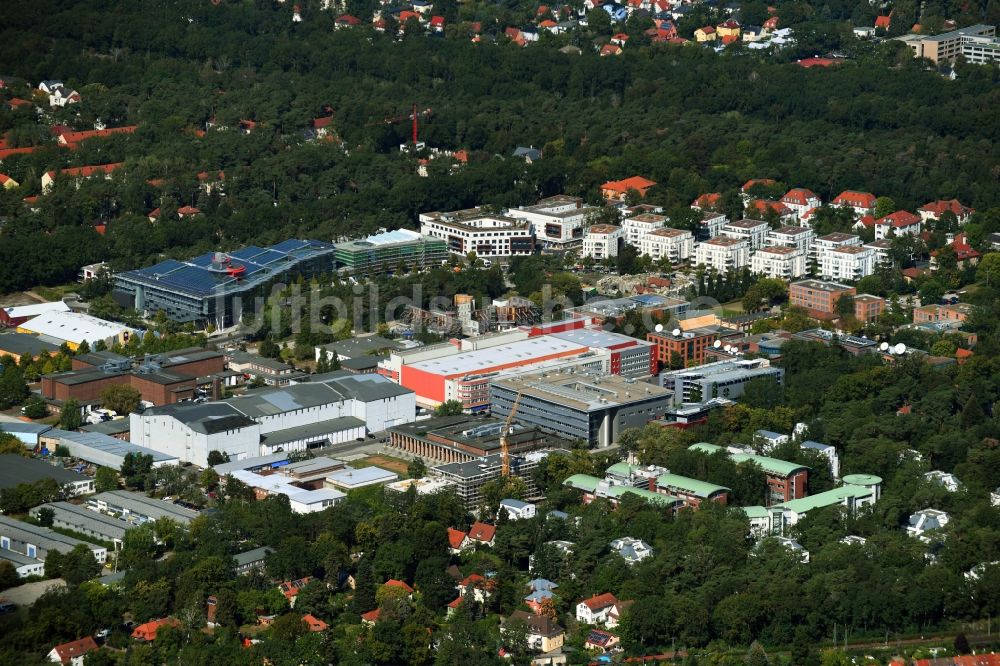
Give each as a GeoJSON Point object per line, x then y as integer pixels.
{"type": "Point", "coordinates": [413, 115]}
{"type": "Point", "coordinates": [508, 425]}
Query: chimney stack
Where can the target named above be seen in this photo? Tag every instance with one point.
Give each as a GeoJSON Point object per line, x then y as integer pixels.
{"type": "Point", "coordinates": [216, 388]}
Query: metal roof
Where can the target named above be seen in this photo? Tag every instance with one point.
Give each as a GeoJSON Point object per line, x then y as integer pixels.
{"type": "Point", "coordinates": [25, 343]}
{"type": "Point", "coordinates": [15, 469]}
{"type": "Point", "coordinates": [312, 431]}
{"type": "Point", "coordinates": [769, 465]}
{"type": "Point", "coordinates": [481, 360]}
{"type": "Point", "coordinates": [352, 478]}
{"type": "Point", "coordinates": [110, 528]}
{"type": "Point", "coordinates": [694, 486]}
{"type": "Point", "coordinates": [146, 506]}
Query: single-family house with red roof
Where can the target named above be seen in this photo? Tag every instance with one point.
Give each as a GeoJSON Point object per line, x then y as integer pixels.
{"type": "Point", "coordinates": [8, 183]}
{"type": "Point", "coordinates": [392, 582]}
{"type": "Point", "coordinates": [78, 173]}
{"type": "Point", "coordinates": [883, 21]}
{"type": "Point", "coordinates": [456, 540]}
{"type": "Point", "coordinates": [899, 223]}
{"type": "Point", "coordinates": [73, 138]}
{"type": "Point", "coordinates": [345, 21]}
{"type": "Point", "coordinates": [705, 34]}
{"type": "Point", "coordinates": [153, 215]}
{"type": "Point", "coordinates": [291, 588]}
{"type": "Point", "coordinates": [185, 212]}
{"type": "Point", "coordinates": [760, 208]}
{"type": "Point", "coordinates": [437, 23]}
{"type": "Point", "coordinates": [611, 50]}
{"type": "Point", "coordinates": [595, 609]}
{"type": "Point", "coordinates": [935, 209]}
{"type": "Point", "coordinates": [965, 254]}
{"type": "Point", "coordinates": [771, 24]}
{"type": "Point", "coordinates": [861, 202]}
{"type": "Point", "coordinates": [809, 63]}
{"type": "Point", "coordinates": [708, 201]}
{"type": "Point", "coordinates": [371, 617]}
{"type": "Point", "coordinates": [482, 533]}
{"type": "Point", "coordinates": [618, 189]}
{"type": "Point", "coordinates": [619, 38]}
{"type": "Point", "coordinates": [800, 199]}
{"type": "Point", "coordinates": [72, 653]}
{"type": "Point", "coordinates": [146, 633]}
{"type": "Point", "coordinates": [314, 623]}
{"type": "Point", "coordinates": [477, 584]}
{"type": "Point", "coordinates": [864, 222]}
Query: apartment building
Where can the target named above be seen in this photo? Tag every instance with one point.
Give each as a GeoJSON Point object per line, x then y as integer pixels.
{"type": "Point", "coordinates": [900, 223]}
{"type": "Point", "coordinates": [688, 346]}
{"type": "Point", "coordinates": [753, 231]}
{"type": "Point", "coordinates": [881, 249]}
{"type": "Point", "coordinates": [935, 209]}
{"type": "Point", "coordinates": [710, 225]}
{"type": "Point", "coordinates": [602, 240]}
{"type": "Point", "coordinates": [637, 226]}
{"type": "Point", "coordinates": [863, 203]}
{"type": "Point", "coordinates": [474, 230]}
{"type": "Point", "coordinates": [868, 307]}
{"type": "Point", "coordinates": [849, 262]}
{"type": "Point", "coordinates": [790, 236]}
{"type": "Point", "coordinates": [819, 298]}
{"type": "Point", "coordinates": [824, 244]}
{"type": "Point", "coordinates": [723, 253]}
{"type": "Point", "coordinates": [673, 245]}
{"type": "Point", "coordinates": [558, 222]}
{"type": "Point", "coordinates": [956, 312]}
{"type": "Point", "coordinates": [779, 261]}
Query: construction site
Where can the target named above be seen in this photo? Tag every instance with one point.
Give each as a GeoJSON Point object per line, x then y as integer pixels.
{"type": "Point", "coordinates": [465, 319]}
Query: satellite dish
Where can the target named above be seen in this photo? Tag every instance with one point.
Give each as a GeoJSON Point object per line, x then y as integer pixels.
{"type": "Point", "coordinates": [900, 348]}
{"type": "Point", "coordinates": [718, 343]}
{"type": "Point", "coordinates": [884, 346]}
{"type": "Point", "coordinates": [658, 328]}
{"type": "Point", "coordinates": [676, 332]}
{"type": "Point", "coordinates": [727, 349]}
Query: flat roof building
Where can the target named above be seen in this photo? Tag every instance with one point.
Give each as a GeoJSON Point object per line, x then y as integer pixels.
{"type": "Point", "coordinates": [468, 478]}
{"type": "Point", "coordinates": [722, 379]}
{"type": "Point", "coordinates": [35, 542]}
{"type": "Point", "coordinates": [221, 287]}
{"type": "Point", "coordinates": [15, 315]}
{"type": "Point", "coordinates": [17, 345]}
{"type": "Point", "coordinates": [463, 438]}
{"type": "Point", "coordinates": [579, 406]}
{"type": "Point", "coordinates": [89, 523]}
{"type": "Point", "coordinates": [388, 251]}
{"type": "Point", "coordinates": [350, 478]}
{"type": "Point", "coordinates": [103, 450]}
{"type": "Point", "coordinates": [74, 328]}
{"type": "Point", "coordinates": [137, 508]}
{"type": "Point", "coordinates": [475, 230]}
{"type": "Point", "coordinates": [976, 43]}
{"type": "Point", "coordinates": [15, 470]}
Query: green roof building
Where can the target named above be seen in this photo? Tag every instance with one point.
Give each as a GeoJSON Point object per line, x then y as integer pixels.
{"type": "Point", "coordinates": [692, 491]}
{"type": "Point", "coordinates": [387, 250]}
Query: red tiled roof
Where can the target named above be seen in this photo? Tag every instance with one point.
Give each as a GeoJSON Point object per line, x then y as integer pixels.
{"type": "Point", "coordinates": [600, 601]}
{"type": "Point", "coordinates": [437, 21]}
{"type": "Point", "coordinates": [855, 199]}
{"type": "Point", "coordinates": [188, 210]}
{"type": "Point", "coordinates": [799, 196]}
{"type": "Point", "coordinates": [154, 213]}
{"type": "Point", "coordinates": [729, 39]}
{"type": "Point", "coordinates": [16, 102]}
{"type": "Point", "coordinates": [392, 582]}
{"type": "Point", "coordinates": [77, 137]}
{"type": "Point", "coordinates": [474, 580]}
{"type": "Point", "coordinates": [766, 182]}
{"type": "Point", "coordinates": [455, 603]}
{"type": "Point", "coordinates": [290, 588]}
{"type": "Point", "coordinates": [4, 178]}
{"type": "Point", "coordinates": [320, 123]}
{"type": "Point", "coordinates": [455, 537]}
{"type": "Point", "coordinates": [147, 631]}
{"type": "Point", "coordinates": [899, 219]}
{"type": "Point", "coordinates": [87, 171]}
{"type": "Point", "coordinates": [939, 207]}
{"type": "Point", "coordinates": [67, 651]}
{"type": "Point", "coordinates": [372, 615]}
{"type": "Point", "coordinates": [7, 152]}
{"type": "Point", "coordinates": [708, 30]}
{"type": "Point", "coordinates": [730, 24]}
{"type": "Point", "coordinates": [634, 183]}
{"type": "Point", "coordinates": [406, 15]}
{"type": "Point", "coordinates": [547, 23]}
{"type": "Point", "coordinates": [482, 532]}
{"type": "Point", "coordinates": [348, 19]}
{"type": "Point", "coordinates": [868, 221]}
{"type": "Point", "coordinates": [610, 49]}
{"type": "Point", "coordinates": [763, 205]}
{"type": "Point", "coordinates": [816, 62]}
{"type": "Point", "coordinates": [708, 200]}
{"type": "Point", "coordinates": [883, 22]}
{"type": "Point", "coordinates": [315, 624]}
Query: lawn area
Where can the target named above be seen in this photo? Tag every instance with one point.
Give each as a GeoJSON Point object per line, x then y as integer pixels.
{"type": "Point", "coordinates": [397, 465]}
{"type": "Point", "coordinates": [56, 293]}
{"type": "Point", "coordinates": [732, 309]}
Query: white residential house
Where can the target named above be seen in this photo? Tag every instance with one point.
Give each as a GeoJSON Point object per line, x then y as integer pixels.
{"type": "Point", "coordinates": [767, 440]}
{"type": "Point", "coordinates": [637, 226]}
{"type": "Point", "coordinates": [779, 261]}
{"type": "Point", "coordinates": [518, 510]}
{"type": "Point", "coordinates": [795, 547]}
{"type": "Point", "coordinates": [949, 481]}
{"type": "Point", "coordinates": [60, 97]}
{"type": "Point", "coordinates": [829, 452]}
{"type": "Point", "coordinates": [800, 200]}
{"type": "Point", "coordinates": [853, 540]}
{"type": "Point", "coordinates": [926, 521]}
{"type": "Point", "coordinates": [863, 203]}
{"type": "Point", "coordinates": [753, 231]}
{"type": "Point", "coordinates": [849, 262]}
{"type": "Point", "coordinates": [791, 236]}
{"type": "Point", "coordinates": [674, 245]}
{"type": "Point", "coordinates": [601, 241]}
{"type": "Point", "coordinates": [596, 609]}
{"type": "Point", "coordinates": [723, 253]}
{"type": "Point", "coordinates": [557, 221]}
{"type": "Point", "coordinates": [632, 550]}
{"type": "Point", "coordinates": [900, 223]}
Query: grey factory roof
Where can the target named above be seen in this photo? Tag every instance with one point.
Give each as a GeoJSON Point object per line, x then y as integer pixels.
{"type": "Point", "coordinates": [313, 431]}
{"type": "Point", "coordinates": [268, 402]}
{"type": "Point", "coordinates": [92, 521]}
{"type": "Point", "coordinates": [146, 506]}
{"type": "Point", "coordinates": [16, 558]}
{"type": "Point", "coordinates": [367, 388]}
{"type": "Point", "coordinates": [250, 463]}
{"type": "Point", "coordinates": [42, 537]}
{"type": "Point", "coordinates": [207, 418]}
{"type": "Point", "coordinates": [23, 427]}
{"type": "Point", "coordinates": [105, 450]}
{"type": "Point", "coordinates": [582, 392]}
{"type": "Point", "coordinates": [23, 343]}
{"type": "Point", "coordinates": [15, 469]}
{"type": "Point", "coordinates": [114, 427]}
{"type": "Point", "coordinates": [362, 346]}
{"type": "Point", "coordinates": [312, 466]}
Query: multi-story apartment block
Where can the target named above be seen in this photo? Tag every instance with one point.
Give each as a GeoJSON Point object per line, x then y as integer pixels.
{"type": "Point", "coordinates": [824, 244]}
{"type": "Point", "coordinates": [800, 200]}
{"type": "Point", "coordinates": [474, 230]}
{"type": "Point", "coordinates": [900, 223]}
{"type": "Point", "coordinates": [850, 262]}
{"type": "Point", "coordinates": [779, 261]}
{"type": "Point", "coordinates": [797, 237]}
{"type": "Point", "coordinates": [601, 241]}
{"type": "Point", "coordinates": [881, 248]}
{"type": "Point", "coordinates": [558, 221]}
{"type": "Point", "coordinates": [817, 297]}
{"type": "Point", "coordinates": [710, 225]}
{"type": "Point", "coordinates": [863, 203]}
{"type": "Point", "coordinates": [754, 231]}
{"type": "Point", "coordinates": [935, 209]}
{"type": "Point", "coordinates": [688, 346]}
{"type": "Point", "coordinates": [637, 226]}
{"type": "Point", "coordinates": [673, 245]}
{"type": "Point", "coordinates": [723, 253]}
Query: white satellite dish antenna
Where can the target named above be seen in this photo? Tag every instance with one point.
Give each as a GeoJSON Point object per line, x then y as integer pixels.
{"type": "Point", "coordinates": [900, 348]}
{"type": "Point", "coordinates": [884, 346]}
{"type": "Point", "coordinates": [718, 343]}
{"type": "Point", "coordinates": [676, 332]}
{"type": "Point", "coordinates": [727, 349]}
{"type": "Point", "coordinates": [658, 328]}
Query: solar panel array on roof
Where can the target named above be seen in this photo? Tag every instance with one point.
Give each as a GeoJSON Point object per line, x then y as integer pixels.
{"type": "Point", "coordinates": [291, 245]}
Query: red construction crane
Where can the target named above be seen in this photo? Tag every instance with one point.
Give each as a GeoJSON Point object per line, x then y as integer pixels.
{"type": "Point", "coordinates": [413, 115]}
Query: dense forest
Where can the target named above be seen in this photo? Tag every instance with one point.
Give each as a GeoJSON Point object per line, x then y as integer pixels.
{"type": "Point", "coordinates": [693, 120]}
